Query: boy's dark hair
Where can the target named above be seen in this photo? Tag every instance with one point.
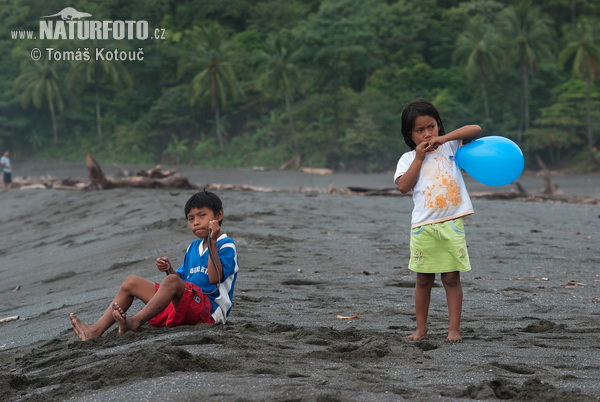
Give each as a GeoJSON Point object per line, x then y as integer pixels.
{"type": "Point", "coordinates": [414, 109]}
{"type": "Point", "coordinates": [203, 199]}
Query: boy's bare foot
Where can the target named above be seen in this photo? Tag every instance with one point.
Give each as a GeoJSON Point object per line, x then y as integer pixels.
{"type": "Point", "coordinates": [82, 329]}
{"type": "Point", "coordinates": [416, 336]}
{"type": "Point", "coordinates": [454, 336]}
{"type": "Point", "coordinates": [121, 318]}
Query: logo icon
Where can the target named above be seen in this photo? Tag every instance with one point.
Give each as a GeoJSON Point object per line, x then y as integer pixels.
{"type": "Point", "coordinates": [69, 14]}
{"type": "Point", "coordinates": [74, 24]}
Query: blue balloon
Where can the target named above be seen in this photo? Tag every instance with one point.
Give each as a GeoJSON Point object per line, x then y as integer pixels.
{"type": "Point", "coordinates": [494, 161]}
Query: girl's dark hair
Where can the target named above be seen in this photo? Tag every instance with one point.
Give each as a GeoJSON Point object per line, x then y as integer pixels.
{"type": "Point", "coordinates": [414, 109]}
{"type": "Point", "coordinates": [203, 199]}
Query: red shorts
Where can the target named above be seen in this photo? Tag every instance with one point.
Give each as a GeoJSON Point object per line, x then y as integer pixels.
{"type": "Point", "coordinates": [193, 308]}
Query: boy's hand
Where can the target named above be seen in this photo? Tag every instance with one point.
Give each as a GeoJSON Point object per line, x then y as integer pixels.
{"type": "Point", "coordinates": [163, 264]}
{"type": "Point", "coordinates": [215, 229]}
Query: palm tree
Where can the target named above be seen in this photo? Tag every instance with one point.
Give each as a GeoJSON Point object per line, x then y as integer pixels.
{"type": "Point", "coordinates": [528, 38]}
{"type": "Point", "coordinates": [100, 74]}
{"type": "Point", "coordinates": [584, 50]}
{"type": "Point", "coordinates": [478, 50]}
{"type": "Point", "coordinates": [212, 58]}
{"type": "Point", "coordinates": [38, 84]}
{"type": "Point", "coordinates": [280, 74]}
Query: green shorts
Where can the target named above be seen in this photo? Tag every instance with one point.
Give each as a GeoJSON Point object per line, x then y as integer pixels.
{"type": "Point", "coordinates": [439, 247]}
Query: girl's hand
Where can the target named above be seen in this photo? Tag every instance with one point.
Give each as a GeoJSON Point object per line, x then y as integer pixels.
{"type": "Point", "coordinates": [422, 149]}
{"type": "Point", "coordinates": [435, 142]}
{"type": "Point", "coordinates": [163, 264]}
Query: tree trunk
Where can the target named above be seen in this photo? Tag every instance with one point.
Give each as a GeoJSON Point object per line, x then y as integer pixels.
{"type": "Point", "coordinates": [218, 128]}
{"type": "Point", "coordinates": [525, 80]}
{"type": "Point", "coordinates": [588, 117]}
{"type": "Point", "coordinates": [288, 107]}
{"type": "Point", "coordinates": [54, 125]}
{"type": "Point", "coordinates": [486, 107]}
{"type": "Point", "coordinates": [214, 100]}
{"type": "Point", "coordinates": [98, 117]}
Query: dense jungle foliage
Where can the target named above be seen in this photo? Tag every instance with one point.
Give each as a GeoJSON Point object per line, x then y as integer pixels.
{"type": "Point", "coordinates": [240, 83]}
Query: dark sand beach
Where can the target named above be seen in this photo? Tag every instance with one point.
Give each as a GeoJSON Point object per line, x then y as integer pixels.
{"type": "Point", "coordinates": [531, 314]}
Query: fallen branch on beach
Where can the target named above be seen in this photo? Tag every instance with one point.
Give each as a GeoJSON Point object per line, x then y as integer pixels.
{"type": "Point", "coordinates": [155, 173]}
{"type": "Point", "coordinates": [540, 196]}
{"type": "Point", "coordinates": [519, 194]}
{"type": "Point", "coordinates": [7, 319]}
{"type": "Point", "coordinates": [153, 178]}
{"type": "Point", "coordinates": [157, 178]}
{"type": "Point", "coordinates": [178, 181]}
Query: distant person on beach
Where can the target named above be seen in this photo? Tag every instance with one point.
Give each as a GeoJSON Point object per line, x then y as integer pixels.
{"type": "Point", "coordinates": [200, 291]}
{"type": "Point", "coordinates": [6, 169]}
{"type": "Point", "coordinates": [437, 239]}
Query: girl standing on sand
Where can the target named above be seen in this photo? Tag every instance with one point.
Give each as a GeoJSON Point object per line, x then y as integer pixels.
{"type": "Point", "coordinates": [437, 241]}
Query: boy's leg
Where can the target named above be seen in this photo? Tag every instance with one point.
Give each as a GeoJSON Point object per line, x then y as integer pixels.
{"type": "Point", "coordinates": [132, 287]}
{"type": "Point", "coordinates": [423, 285]}
{"type": "Point", "coordinates": [454, 298]}
{"type": "Point", "coordinates": [171, 289]}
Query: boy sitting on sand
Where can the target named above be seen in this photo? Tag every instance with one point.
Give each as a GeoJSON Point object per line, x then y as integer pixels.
{"type": "Point", "coordinates": [200, 291]}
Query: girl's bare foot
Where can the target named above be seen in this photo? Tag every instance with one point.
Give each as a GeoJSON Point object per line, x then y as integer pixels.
{"type": "Point", "coordinates": [454, 336]}
{"type": "Point", "coordinates": [416, 336]}
{"type": "Point", "coordinates": [83, 330]}
{"type": "Point", "coordinates": [121, 318]}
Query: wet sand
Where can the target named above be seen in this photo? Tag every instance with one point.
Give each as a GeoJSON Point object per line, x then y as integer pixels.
{"type": "Point", "coordinates": [531, 314]}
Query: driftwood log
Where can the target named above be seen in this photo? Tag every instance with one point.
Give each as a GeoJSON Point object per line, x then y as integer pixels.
{"type": "Point", "coordinates": [153, 178]}
{"type": "Point", "coordinates": [550, 188]}
{"type": "Point", "coordinates": [95, 173]}
{"type": "Point", "coordinates": [157, 178]}
{"type": "Point", "coordinates": [154, 173]}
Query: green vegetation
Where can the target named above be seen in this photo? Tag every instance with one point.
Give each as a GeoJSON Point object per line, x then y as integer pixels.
{"type": "Point", "coordinates": [240, 83]}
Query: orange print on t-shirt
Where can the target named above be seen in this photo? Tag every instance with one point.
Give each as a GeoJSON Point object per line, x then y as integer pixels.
{"type": "Point", "coordinates": [443, 191]}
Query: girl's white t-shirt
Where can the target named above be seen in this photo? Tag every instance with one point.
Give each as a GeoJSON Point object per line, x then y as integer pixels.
{"type": "Point", "coordinates": [440, 193]}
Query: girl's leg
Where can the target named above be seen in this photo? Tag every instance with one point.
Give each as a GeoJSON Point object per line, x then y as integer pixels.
{"type": "Point", "coordinates": [423, 286]}
{"type": "Point", "coordinates": [454, 297]}
{"type": "Point", "coordinates": [171, 289]}
{"type": "Point", "coordinates": [132, 287]}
